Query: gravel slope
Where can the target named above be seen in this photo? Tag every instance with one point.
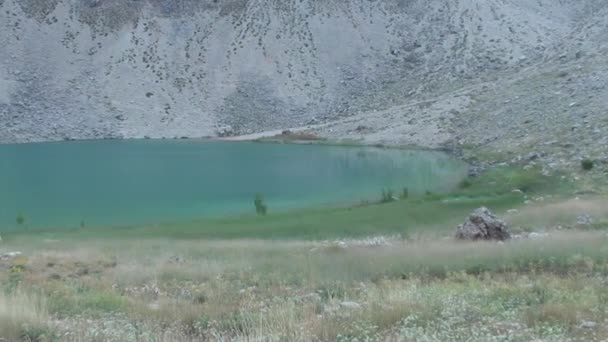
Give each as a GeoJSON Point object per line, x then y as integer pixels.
{"type": "Point", "coordinates": [515, 75]}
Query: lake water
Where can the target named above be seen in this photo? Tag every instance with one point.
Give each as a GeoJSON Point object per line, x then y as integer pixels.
{"type": "Point", "coordinates": [58, 185]}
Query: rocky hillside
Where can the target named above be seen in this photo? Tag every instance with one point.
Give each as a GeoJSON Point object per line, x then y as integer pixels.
{"type": "Point", "coordinates": [423, 72]}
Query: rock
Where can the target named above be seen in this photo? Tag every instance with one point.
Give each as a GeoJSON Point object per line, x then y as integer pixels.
{"type": "Point", "coordinates": [483, 225]}
{"type": "Point", "coordinates": [312, 121]}
{"type": "Point", "coordinates": [584, 220]}
{"type": "Point", "coordinates": [9, 256]}
{"type": "Point", "coordinates": [475, 171]}
{"type": "Point", "coordinates": [340, 244]}
{"type": "Point", "coordinates": [537, 236]}
{"type": "Point", "coordinates": [588, 325]}
{"type": "Point", "coordinates": [350, 305]}
{"type": "Point", "coordinates": [225, 131]}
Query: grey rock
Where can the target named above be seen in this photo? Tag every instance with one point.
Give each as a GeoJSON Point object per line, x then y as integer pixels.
{"type": "Point", "coordinates": [225, 131]}
{"type": "Point", "coordinates": [584, 220]}
{"type": "Point", "coordinates": [537, 236]}
{"type": "Point", "coordinates": [483, 225]}
{"type": "Point", "coordinates": [588, 325]}
{"type": "Point", "coordinates": [9, 256]}
{"type": "Point", "coordinates": [199, 59]}
{"type": "Point", "coordinates": [350, 305]}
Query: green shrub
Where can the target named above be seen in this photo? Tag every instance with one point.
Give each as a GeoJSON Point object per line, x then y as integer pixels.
{"type": "Point", "coordinates": [20, 219]}
{"type": "Point", "coordinates": [260, 207]}
{"type": "Point", "coordinates": [37, 333]}
{"type": "Point", "coordinates": [465, 184]}
{"type": "Point", "coordinates": [587, 164]}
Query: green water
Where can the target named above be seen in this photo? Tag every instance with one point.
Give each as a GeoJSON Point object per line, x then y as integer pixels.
{"type": "Point", "coordinates": [115, 183]}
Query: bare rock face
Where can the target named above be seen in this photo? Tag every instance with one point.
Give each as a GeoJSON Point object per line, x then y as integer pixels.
{"type": "Point", "coordinates": [90, 69]}
{"type": "Point", "coordinates": [483, 225]}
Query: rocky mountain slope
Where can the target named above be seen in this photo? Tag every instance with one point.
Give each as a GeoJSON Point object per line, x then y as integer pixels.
{"type": "Point", "coordinates": [496, 73]}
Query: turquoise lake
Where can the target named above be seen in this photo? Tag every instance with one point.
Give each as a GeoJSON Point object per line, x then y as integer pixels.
{"type": "Point", "coordinates": [132, 182]}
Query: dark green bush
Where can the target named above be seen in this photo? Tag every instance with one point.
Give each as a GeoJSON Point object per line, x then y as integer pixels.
{"type": "Point", "coordinates": [260, 207]}
{"type": "Point", "coordinates": [587, 164]}
{"type": "Point", "coordinates": [465, 183]}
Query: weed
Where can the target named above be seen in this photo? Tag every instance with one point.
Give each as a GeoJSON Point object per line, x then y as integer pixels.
{"type": "Point", "coordinates": [20, 219]}
{"type": "Point", "coordinates": [405, 193]}
{"type": "Point", "coordinates": [465, 184]}
{"type": "Point", "coordinates": [260, 207]}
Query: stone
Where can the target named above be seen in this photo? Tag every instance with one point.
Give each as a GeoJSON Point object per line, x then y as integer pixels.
{"type": "Point", "coordinates": [584, 220]}
{"type": "Point", "coordinates": [350, 305]}
{"type": "Point", "coordinates": [483, 225]}
{"type": "Point", "coordinates": [340, 244]}
{"type": "Point", "coordinates": [9, 255]}
{"type": "Point", "coordinates": [588, 325]}
{"type": "Point", "coordinates": [537, 236]}
{"type": "Point", "coordinates": [225, 131]}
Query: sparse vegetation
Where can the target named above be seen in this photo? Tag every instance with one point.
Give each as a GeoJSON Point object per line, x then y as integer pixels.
{"type": "Point", "coordinates": [224, 280]}
{"type": "Point", "coordinates": [254, 290]}
{"type": "Point", "coordinates": [23, 317]}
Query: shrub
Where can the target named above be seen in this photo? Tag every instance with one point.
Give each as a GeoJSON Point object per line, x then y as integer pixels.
{"type": "Point", "coordinates": [260, 207]}
{"type": "Point", "coordinates": [387, 196]}
{"type": "Point", "coordinates": [465, 183]}
{"type": "Point", "coordinates": [20, 219]}
{"type": "Point", "coordinates": [405, 193]}
{"type": "Point", "coordinates": [587, 164]}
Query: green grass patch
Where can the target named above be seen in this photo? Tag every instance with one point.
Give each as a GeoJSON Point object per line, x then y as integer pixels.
{"type": "Point", "coordinates": [411, 215]}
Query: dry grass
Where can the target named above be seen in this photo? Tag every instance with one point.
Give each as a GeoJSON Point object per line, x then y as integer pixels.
{"type": "Point", "coordinates": [423, 289]}
{"type": "Point", "coordinates": [252, 290]}
{"type": "Point", "coordinates": [552, 213]}
{"type": "Point", "coordinates": [22, 316]}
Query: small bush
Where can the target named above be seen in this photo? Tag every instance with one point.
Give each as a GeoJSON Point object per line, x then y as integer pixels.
{"type": "Point", "coordinates": [587, 164]}
{"type": "Point", "coordinates": [20, 219]}
{"type": "Point", "coordinates": [465, 184]}
{"type": "Point", "coordinates": [405, 193]}
{"type": "Point", "coordinates": [260, 207]}
{"type": "Point", "coordinates": [387, 196]}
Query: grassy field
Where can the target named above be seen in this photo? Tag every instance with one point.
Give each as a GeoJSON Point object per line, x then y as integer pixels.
{"type": "Point", "coordinates": [373, 272]}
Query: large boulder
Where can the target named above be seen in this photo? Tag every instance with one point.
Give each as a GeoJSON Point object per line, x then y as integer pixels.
{"type": "Point", "coordinates": [483, 225]}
